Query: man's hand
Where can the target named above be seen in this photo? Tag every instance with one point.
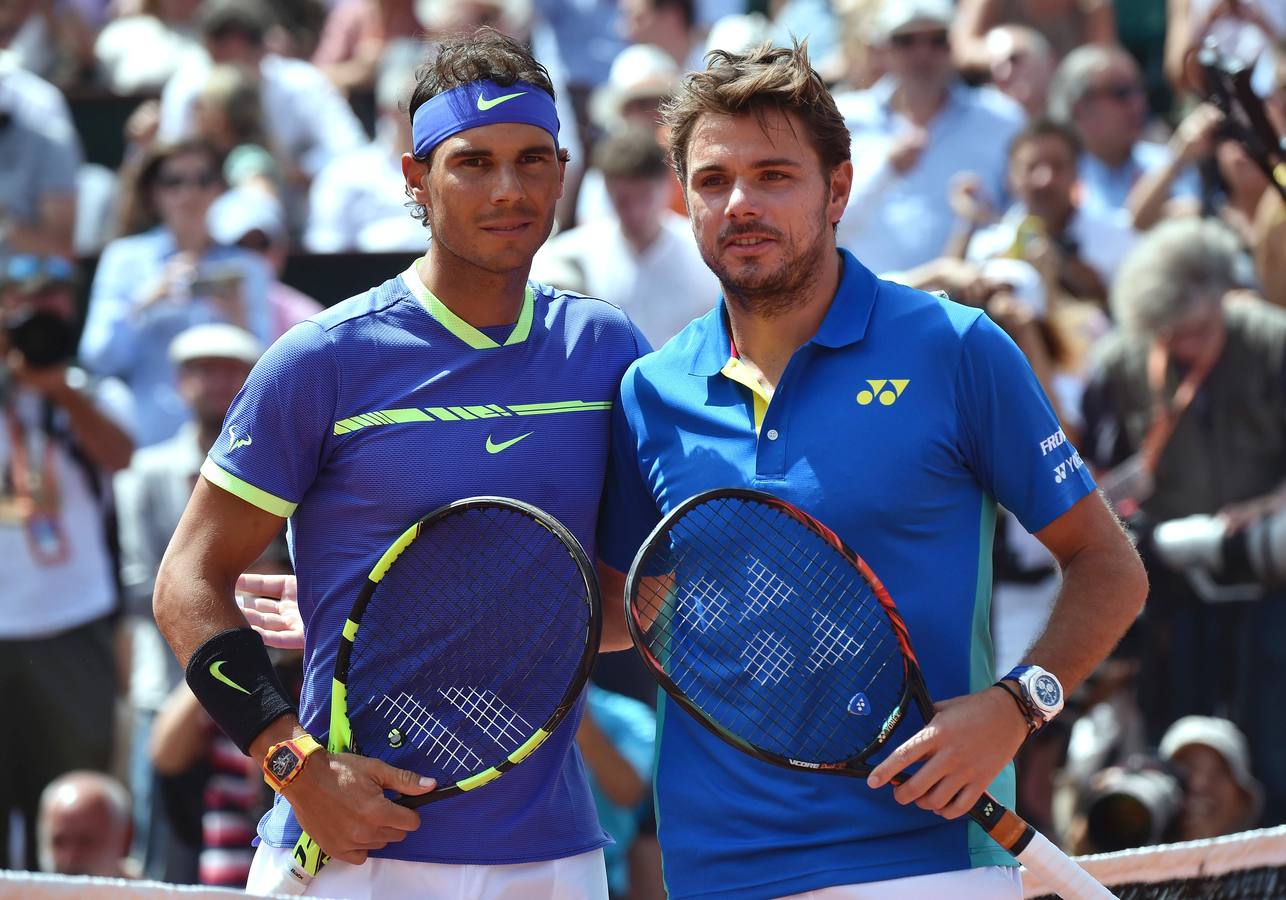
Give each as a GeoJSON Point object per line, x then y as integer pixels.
{"type": "Point", "coordinates": [271, 607]}
{"type": "Point", "coordinates": [962, 750]}
{"type": "Point", "coordinates": [1191, 140]}
{"type": "Point", "coordinates": [339, 800]}
{"type": "Point", "coordinates": [48, 381]}
{"type": "Point", "coordinates": [907, 148]}
{"type": "Point", "coordinates": [1237, 516]}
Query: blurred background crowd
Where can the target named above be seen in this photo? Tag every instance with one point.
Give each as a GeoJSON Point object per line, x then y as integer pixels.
{"type": "Point", "coordinates": [183, 180]}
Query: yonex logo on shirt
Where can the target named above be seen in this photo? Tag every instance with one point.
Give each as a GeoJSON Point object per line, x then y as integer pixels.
{"type": "Point", "coordinates": [886, 395]}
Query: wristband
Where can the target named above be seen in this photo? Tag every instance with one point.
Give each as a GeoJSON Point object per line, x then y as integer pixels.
{"type": "Point", "coordinates": [234, 680]}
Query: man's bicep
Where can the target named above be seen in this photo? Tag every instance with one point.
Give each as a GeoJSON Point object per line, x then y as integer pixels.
{"type": "Point", "coordinates": [219, 536]}
{"type": "Point", "coordinates": [1087, 524]}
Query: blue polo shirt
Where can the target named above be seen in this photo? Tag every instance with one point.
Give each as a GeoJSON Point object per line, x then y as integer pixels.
{"type": "Point", "coordinates": [379, 410]}
{"type": "Point", "coordinates": [900, 425]}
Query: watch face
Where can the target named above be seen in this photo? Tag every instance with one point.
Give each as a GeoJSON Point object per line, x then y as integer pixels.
{"type": "Point", "coordinates": [282, 762]}
{"type": "Point", "coordinates": [1047, 691]}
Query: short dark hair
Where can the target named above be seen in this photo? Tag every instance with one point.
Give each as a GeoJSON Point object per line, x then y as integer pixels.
{"type": "Point", "coordinates": [249, 18]}
{"type": "Point", "coordinates": [137, 210]}
{"type": "Point", "coordinates": [1044, 127]}
{"type": "Point", "coordinates": [483, 55]}
{"type": "Point", "coordinates": [752, 83]}
{"type": "Point", "coordinates": [631, 152]}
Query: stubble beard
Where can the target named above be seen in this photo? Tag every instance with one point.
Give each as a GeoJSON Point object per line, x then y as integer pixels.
{"type": "Point", "coordinates": [772, 294]}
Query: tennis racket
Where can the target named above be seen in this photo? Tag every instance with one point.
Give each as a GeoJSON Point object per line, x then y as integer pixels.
{"type": "Point", "coordinates": [761, 623]}
{"type": "Point", "coordinates": [470, 641]}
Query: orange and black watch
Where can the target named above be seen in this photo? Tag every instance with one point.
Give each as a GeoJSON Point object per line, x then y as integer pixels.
{"type": "Point", "coordinates": [285, 760]}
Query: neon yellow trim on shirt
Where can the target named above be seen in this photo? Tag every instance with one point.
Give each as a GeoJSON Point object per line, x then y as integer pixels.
{"type": "Point", "coordinates": [738, 372]}
{"type": "Point", "coordinates": [246, 491]}
{"type": "Point", "coordinates": [461, 413]}
{"type": "Point", "coordinates": [458, 326]}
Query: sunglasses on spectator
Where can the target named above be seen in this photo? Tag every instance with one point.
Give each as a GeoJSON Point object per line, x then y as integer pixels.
{"type": "Point", "coordinates": [938, 40]}
{"type": "Point", "coordinates": [1118, 92]}
{"type": "Point", "coordinates": [27, 267]}
{"type": "Point", "coordinates": [205, 181]}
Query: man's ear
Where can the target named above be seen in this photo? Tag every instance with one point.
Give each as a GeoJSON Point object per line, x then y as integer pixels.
{"type": "Point", "coordinates": [416, 175]}
{"type": "Point", "coordinates": [841, 184]}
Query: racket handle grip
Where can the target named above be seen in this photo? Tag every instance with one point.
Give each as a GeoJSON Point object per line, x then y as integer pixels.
{"type": "Point", "coordinates": [1059, 873]}
{"type": "Point", "coordinates": [1056, 870]}
{"type": "Point", "coordinates": [305, 861]}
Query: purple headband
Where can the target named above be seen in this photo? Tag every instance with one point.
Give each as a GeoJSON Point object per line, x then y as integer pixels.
{"type": "Point", "coordinates": [481, 103]}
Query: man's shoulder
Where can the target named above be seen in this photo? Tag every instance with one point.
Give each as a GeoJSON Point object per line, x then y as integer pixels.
{"type": "Point", "coordinates": [679, 353]}
{"type": "Point", "coordinates": [361, 309]}
{"type": "Point", "coordinates": [923, 314]}
{"type": "Point", "coordinates": [580, 308]}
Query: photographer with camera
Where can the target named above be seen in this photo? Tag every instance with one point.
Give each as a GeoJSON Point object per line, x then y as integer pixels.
{"type": "Point", "coordinates": [1220, 794]}
{"type": "Point", "coordinates": [1185, 414]}
{"type": "Point", "coordinates": [59, 442]}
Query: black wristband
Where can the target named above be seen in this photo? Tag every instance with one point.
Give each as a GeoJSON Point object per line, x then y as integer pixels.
{"type": "Point", "coordinates": [234, 680]}
{"type": "Point", "coordinates": [1032, 725]}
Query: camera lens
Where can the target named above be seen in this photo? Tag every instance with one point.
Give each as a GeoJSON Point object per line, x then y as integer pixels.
{"type": "Point", "coordinates": [42, 338]}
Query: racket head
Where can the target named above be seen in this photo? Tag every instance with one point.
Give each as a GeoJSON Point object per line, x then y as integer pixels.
{"type": "Point", "coordinates": [775, 635]}
{"type": "Point", "coordinates": [471, 639]}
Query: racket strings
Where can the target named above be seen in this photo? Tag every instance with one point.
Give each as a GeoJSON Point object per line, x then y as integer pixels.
{"type": "Point", "coordinates": [770, 632]}
{"type": "Point", "coordinates": [469, 643]}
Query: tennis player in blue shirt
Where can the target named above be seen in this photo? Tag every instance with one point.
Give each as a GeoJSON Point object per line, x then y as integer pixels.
{"type": "Point", "coordinates": [898, 418]}
{"type": "Point", "coordinates": [457, 377]}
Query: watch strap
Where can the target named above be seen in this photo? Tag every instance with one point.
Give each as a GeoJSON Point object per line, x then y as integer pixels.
{"type": "Point", "coordinates": [302, 746]}
{"type": "Point", "coordinates": [1034, 722]}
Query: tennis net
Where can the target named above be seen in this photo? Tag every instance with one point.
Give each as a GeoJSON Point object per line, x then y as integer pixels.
{"type": "Point", "coordinates": [1246, 866]}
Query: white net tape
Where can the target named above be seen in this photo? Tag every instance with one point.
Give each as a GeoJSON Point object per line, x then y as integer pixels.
{"type": "Point", "coordinates": [1264, 848]}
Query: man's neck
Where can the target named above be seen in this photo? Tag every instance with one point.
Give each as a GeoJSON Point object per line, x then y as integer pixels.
{"type": "Point", "coordinates": [480, 297]}
{"type": "Point", "coordinates": [641, 241]}
{"type": "Point", "coordinates": [1112, 157]}
{"type": "Point", "coordinates": [919, 104]}
{"type": "Point", "coordinates": [767, 342]}
{"type": "Point", "coordinates": [1057, 221]}
{"type": "Point", "coordinates": [191, 240]}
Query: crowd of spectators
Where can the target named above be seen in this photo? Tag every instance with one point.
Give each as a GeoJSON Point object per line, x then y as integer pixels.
{"type": "Point", "coordinates": [1056, 162]}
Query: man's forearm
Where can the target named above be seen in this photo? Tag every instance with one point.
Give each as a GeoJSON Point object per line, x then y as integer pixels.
{"type": "Point", "coordinates": [102, 440]}
{"type": "Point", "coordinates": [1102, 593]}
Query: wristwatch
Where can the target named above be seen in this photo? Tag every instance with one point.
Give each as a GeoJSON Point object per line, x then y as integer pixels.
{"type": "Point", "coordinates": [1041, 691]}
{"type": "Point", "coordinates": [285, 760]}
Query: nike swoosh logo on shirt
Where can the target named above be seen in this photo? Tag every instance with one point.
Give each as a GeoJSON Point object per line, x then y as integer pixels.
{"type": "Point", "coordinates": [484, 104]}
{"type": "Point", "coordinates": [219, 676]}
{"type": "Point", "coordinates": [505, 445]}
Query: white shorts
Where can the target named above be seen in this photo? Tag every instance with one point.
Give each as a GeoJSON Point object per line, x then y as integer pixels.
{"type": "Point", "coordinates": [581, 877]}
{"type": "Point", "coordinates": [983, 883]}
